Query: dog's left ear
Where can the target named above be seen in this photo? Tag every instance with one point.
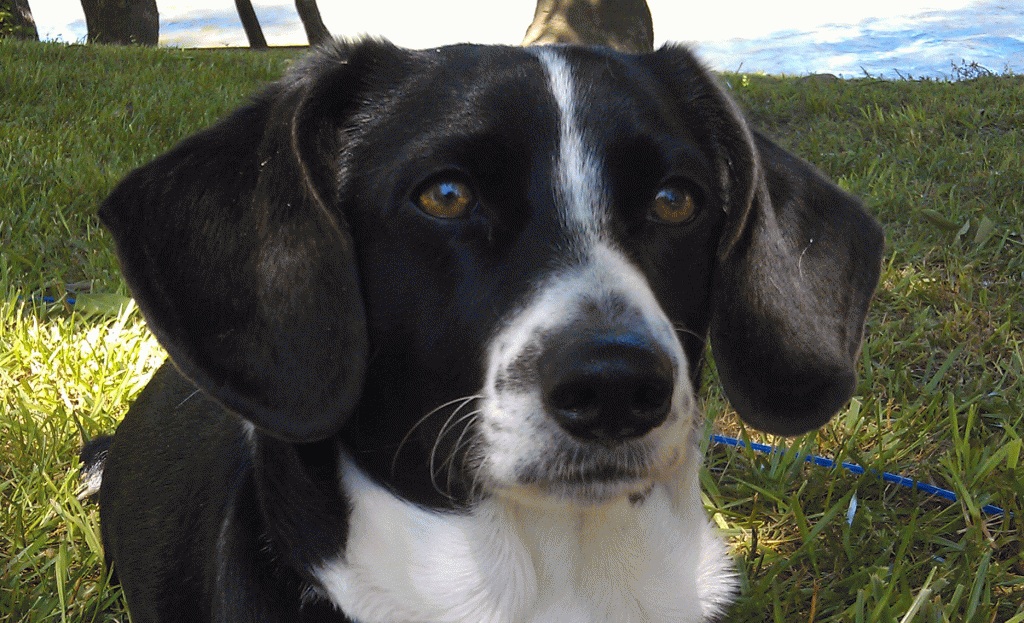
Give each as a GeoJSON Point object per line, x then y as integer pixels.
{"type": "Point", "coordinates": [240, 259]}
{"type": "Point", "coordinates": [797, 269]}
{"type": "Point", "coordinates": [797, 265]}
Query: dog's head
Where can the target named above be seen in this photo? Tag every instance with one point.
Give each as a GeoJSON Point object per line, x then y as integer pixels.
{"type": "Point", "coordinates": [508, 259]}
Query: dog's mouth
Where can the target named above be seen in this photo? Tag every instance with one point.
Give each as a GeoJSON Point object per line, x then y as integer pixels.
{"type": "Point", "coordinates": [578, 475]}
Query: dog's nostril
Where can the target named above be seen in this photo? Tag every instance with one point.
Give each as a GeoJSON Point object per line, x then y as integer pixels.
{"type": "Point", "coordinates": [653, 396]}
{"type": "Point", "coordinates": [576, 397]}
{"type": "Point", "coordinates": [612, 386]}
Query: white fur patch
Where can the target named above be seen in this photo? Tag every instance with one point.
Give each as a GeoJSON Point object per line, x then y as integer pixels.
{"type": "Point", "coordinates": [653, 561]}
{"type": "Point", "coordinates": [577, 178]}
{"type": "Point", "coordinates": [91, 478]}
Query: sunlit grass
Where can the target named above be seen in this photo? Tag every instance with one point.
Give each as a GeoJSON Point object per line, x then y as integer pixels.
{"type": "Point", "coordinates": [74, 120]}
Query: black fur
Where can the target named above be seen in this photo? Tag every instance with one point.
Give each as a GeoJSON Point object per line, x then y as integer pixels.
{"type": "Point", "coordinates": [308, 311]}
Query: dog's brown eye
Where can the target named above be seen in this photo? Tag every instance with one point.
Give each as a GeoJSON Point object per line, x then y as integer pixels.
{"type": "Point", "coordinates": [446, 199]}
{"type": "Point", "coordinates": [674, 205]}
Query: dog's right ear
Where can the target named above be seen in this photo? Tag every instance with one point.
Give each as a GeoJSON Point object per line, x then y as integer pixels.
{"type": "Point", "coordinates": [239, 259]}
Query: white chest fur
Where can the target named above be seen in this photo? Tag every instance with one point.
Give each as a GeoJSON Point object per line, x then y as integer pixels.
{"type": "Point", "coordinates": [654, 561]}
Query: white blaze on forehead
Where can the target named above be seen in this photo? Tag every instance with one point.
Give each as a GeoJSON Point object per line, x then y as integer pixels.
{"type": "Point", "coordinates": [578, 185]}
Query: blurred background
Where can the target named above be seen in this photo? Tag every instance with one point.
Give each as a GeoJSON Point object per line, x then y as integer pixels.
{"type": "Point", "coordinates": [887, 38]}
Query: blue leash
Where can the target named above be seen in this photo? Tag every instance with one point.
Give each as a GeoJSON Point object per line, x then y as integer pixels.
{"type": "Point", "coordinates": [857, 469]}
{"type": "Point", "coordinates": [50, 299]}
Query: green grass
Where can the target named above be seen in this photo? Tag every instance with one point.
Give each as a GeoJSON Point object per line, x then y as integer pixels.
{"type": "Point", "coordinates": [942, 375]}
{"type": "Point", "coordinates": [73, 121]}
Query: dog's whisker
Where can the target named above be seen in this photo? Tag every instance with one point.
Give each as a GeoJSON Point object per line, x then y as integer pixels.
{"type": "Point", "coordinates": [433, 453]}
{"type": "Point", "coordinates": [465, 440]}
{"type": "Point", "coordinates": [463, 399]}
{"type": "Point", "coordinates": [448, 424]}
{"type": "Point", "coordinates": [475, 485]}
{"type": "Point", "coordinates": [450, 463]}
{"type": "Point", "coordinates": [683, 329]}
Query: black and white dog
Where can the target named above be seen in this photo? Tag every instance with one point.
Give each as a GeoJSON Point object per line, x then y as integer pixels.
{"type": "Point", "coordinates": [436, 321]}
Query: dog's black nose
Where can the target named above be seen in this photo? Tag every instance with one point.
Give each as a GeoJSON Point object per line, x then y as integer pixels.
{"type": "Point", "coordinates": [609, 386]}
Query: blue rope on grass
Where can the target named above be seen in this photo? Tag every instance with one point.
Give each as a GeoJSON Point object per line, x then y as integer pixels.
{"type": "Point", "coordinates": [820, 461]}
{"type": "Point", "coordinates": [50, 299]}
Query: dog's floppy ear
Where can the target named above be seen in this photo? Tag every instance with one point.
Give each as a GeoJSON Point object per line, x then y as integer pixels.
{"type": "Point", "coordinates": [797, 268]}
{"type": "Point", "coordinates": [797, 265]}
{"type": "Point", "coordinates": [240, 261]}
